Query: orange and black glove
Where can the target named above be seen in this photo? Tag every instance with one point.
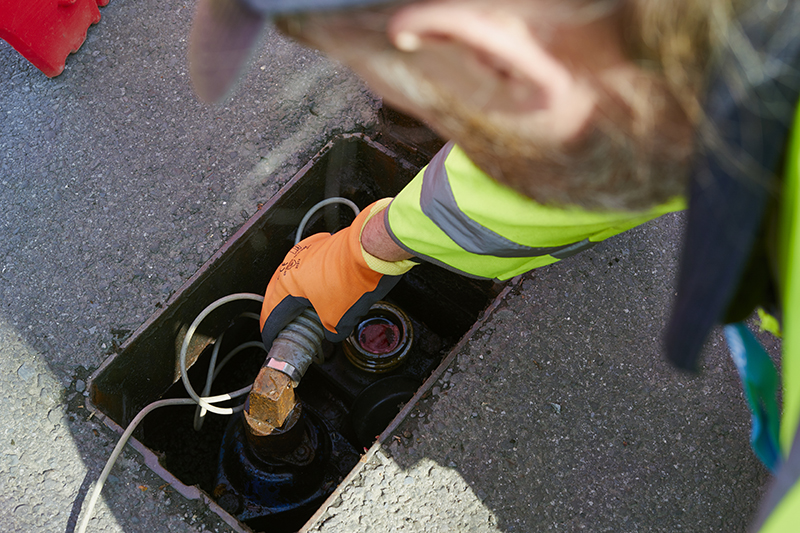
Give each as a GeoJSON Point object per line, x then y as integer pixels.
{"type": "Point", "coordinates": [334, 275]}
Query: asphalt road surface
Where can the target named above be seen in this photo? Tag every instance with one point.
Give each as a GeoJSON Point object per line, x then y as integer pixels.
{"type": "Point", "coordinates": [116, 185]}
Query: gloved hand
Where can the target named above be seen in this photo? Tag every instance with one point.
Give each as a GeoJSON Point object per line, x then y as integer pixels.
{"type": "Point", "coordinates": [334, 275]}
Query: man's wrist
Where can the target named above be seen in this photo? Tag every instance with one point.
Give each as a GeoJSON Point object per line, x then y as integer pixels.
{"type": "Point", "coordinates": [378, 249]}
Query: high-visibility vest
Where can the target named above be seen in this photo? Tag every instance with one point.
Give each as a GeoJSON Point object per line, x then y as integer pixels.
{"type": "Point", "coordinates": [780, 509]}
{"type": "Point", "coordinates": [453, 214]}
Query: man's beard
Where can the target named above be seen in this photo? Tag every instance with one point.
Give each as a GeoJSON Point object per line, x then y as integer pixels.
{"type": "Point", "coordinates": [606, 168]}
{"type": "Point", "coordinates": [627, 158]}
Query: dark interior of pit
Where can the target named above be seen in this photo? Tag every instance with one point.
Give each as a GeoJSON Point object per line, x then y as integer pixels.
{"type": "Point", "coordinates": [442, 307]}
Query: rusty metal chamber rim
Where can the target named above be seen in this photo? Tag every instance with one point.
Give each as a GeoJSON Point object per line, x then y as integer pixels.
{"type": "Point", "coordinates": [205, 402]}
{"type": "Point", "coordinates": [232, 244]}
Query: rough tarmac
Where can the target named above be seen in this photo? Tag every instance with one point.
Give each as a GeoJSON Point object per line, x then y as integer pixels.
{"type": "Point", "coordinates": [116, 185]}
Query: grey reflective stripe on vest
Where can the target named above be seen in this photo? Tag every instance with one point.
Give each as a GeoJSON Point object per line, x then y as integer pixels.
{"type": "Point", "coordinates": [439, 205]}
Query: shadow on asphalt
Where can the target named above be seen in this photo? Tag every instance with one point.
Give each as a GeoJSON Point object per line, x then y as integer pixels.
{"type": "Point", "coordinates": [117, 185]}
{"type": "Point", "coordinates": [562, 413]}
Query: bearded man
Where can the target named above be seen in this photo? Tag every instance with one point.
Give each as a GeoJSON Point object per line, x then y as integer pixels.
{"type": "Point", "coordinates": [569, 122]}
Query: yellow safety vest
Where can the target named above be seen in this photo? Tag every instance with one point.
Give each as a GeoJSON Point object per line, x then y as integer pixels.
{"type": "Point", "coordinates": [455, 215]}
{"type": "Point", "coordinates": [780, 512]}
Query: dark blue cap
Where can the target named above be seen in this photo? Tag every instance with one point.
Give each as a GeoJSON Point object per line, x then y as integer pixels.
{"type": "Point", "coordinates": [225, 32]}
{"type": "Point", "coordinates": [282, 7]}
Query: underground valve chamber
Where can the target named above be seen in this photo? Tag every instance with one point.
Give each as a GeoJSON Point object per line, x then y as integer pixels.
{"type": "Point", "coordinates": [283, 456]}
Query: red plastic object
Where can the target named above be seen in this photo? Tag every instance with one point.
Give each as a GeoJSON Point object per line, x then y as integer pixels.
{"type": "Point", "coordinates": [45, 32]}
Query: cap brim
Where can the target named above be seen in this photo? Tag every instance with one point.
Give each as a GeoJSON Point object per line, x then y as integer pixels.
{"type": "Point", "coordinates": [283, 7]}
{"type": "Point", "coordinates": [223, 35]}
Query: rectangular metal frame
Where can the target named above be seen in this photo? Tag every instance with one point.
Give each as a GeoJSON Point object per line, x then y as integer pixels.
{"type": "Point", "coordinates": [123, 384]}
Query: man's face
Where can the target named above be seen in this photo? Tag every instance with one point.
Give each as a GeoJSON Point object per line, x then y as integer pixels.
{"type": "Point", "coordinates": [539, 93]}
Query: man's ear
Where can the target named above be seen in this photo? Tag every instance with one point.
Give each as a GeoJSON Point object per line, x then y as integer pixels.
{"type": "Point", "coordinates": [538, 66]}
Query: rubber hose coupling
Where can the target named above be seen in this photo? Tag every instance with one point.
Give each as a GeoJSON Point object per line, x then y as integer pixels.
{"type": "Point", "coordinates": [297, 346]}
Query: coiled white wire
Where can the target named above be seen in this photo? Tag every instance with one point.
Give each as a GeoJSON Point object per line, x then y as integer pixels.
{"type": "Point", "coordinates": [204, 403]}
{"type": "Point", "coordinates": [333, 200]}
{"type": "Point", "coordinates": [213, 369]}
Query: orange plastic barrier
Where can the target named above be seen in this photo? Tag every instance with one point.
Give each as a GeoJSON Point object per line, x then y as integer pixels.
{"type": "Point", "coordinates": [45, 32]}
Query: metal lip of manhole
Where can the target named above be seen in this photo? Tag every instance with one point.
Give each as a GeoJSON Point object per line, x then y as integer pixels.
{"type": "Point", "coordinates": [193, 294]}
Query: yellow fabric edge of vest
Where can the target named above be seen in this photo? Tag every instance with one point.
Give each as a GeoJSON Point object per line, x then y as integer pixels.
{"type": "Point", "coordinates": [471, 195]}
{"type": "Point", "coordinates": [789, 245]}
{"type": "Point", "coordinates": [784, 518]}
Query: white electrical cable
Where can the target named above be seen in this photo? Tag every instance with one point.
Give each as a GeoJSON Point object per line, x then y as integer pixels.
{"type": "Point", "coordinates": [333, 200]}
{"type": "Point", "coordinates": [204, 401]}
{"type": "Point", "coordinates": [118, 450]}
{"type": "Point", "coordinates": [213, 370]}
{"type": "Point", "coordinates": [200, 412]}
{"type": "Point", "coordinates": [185, 348]}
